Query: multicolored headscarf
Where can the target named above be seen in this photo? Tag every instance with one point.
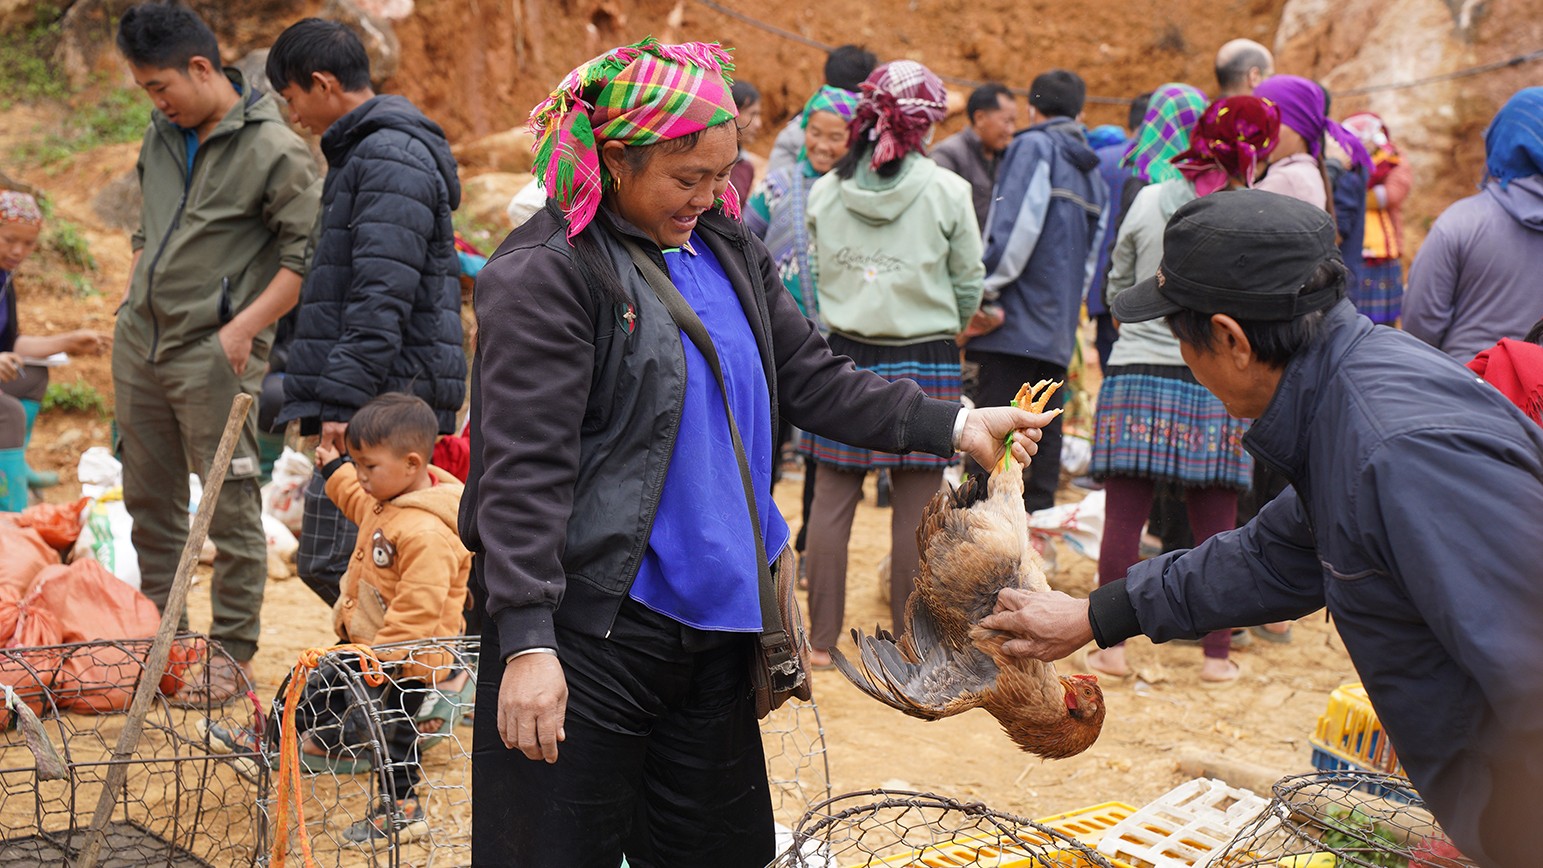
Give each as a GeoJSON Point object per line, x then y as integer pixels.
{"type": "Point", "coordinates": [841, 103]}
{"type": "Point", "coordinates": [1513, 144]}
{"type": "Point", "coordinates": [1302, 109]}
{"type": "Point", "coordinates": [1164, 131]}
{"type": "Point", "coordinates": [901, 101]}
{"type": "Point", "coordinates": [638, 95]}
{"type": "Point", "coordinates": [1230, 140]}
{"type": "Point", "coordinates": [19, 207]}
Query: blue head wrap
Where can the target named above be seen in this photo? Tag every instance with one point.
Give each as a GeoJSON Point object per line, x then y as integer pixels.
{"type": "Point", "coordinates": [1513, 144]}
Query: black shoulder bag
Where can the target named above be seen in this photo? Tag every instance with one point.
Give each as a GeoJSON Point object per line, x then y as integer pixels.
{"type": "Point", "coordinates": [777, 670]}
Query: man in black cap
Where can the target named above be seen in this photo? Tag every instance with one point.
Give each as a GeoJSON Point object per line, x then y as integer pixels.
{"type": "Point", "coordinates": [1413, 513]}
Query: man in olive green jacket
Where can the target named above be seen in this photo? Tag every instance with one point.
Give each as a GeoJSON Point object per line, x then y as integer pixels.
{"type": "Point", "coordinates": [230, 198]}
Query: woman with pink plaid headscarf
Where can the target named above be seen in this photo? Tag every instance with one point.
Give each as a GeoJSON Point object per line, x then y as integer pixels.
{"type": "Point", "coordinates": [619, 498]}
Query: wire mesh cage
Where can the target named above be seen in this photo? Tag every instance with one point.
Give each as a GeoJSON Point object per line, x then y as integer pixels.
{"type": "Point", "coordinates": [1343, 819]}
{"type": "Point", "coordinates": [895, 827]}
{"type": "Point", "coordinates": [797, 767]}
{"type": "Point", "coordinates": [385, 764]}
{"type": "Point", "coordinates": [365, 749]}
{"type": "Point", "coordinates": [182, 805]}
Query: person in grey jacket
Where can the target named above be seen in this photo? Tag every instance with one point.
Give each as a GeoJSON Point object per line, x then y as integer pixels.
{"type": "Point", "coordinates": [1412, 514]}
{"type": "Point", "coordinates": [380, 310]}
{"type": "Point", "coordinates": [975, 152]}
{"type": "Point", "coordinates": [1475, 279]}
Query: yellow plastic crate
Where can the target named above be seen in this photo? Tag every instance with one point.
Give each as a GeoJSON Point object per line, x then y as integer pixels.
{"type": "Point", "coordinates": [1085, 824]}
{"type": "Point", "coordinates": [1349, 730]}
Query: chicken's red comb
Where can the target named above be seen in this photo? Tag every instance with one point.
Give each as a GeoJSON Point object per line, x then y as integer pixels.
{"type": "Point", "coordinates": [1086, 677]}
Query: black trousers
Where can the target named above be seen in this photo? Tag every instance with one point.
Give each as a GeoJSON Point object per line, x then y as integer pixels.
{"type": "Point", "coordinates": [662, 759]}
{"type": "Point", "coordinates": [1000, 378]}
{"type": "Point", "coordinates": [336, 718]}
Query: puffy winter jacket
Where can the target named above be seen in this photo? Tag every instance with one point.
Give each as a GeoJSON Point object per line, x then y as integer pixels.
{"type": "Point", "coordinates": [1042, 241]}
{"type": "Point", "coordinates": [381, 307]}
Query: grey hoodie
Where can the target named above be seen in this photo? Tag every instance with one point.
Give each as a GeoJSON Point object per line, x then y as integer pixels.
{"type": "Point", "coordinates": [1476, 278]}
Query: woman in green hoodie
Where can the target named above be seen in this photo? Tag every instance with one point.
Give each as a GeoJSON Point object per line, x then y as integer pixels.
{"type": "Point", "coordinates": [897, 258]}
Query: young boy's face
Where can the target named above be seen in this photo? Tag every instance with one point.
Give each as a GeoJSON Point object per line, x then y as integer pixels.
{"type": "Point", "coordinates": [186, 97]}
{"type": "Point", "coordinates": [384, 473]}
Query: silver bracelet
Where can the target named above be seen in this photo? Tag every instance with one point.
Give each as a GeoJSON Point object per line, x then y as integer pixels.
{"type": "Point", "coordinates": [959, 420]}
{"type": "Point", "coordinates": [510, 658]}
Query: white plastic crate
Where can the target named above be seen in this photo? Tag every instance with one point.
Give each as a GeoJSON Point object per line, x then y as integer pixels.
{"type": "Point", "coordinates": [1183, 827]}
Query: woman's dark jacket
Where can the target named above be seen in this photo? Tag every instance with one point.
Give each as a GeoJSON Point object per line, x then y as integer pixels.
{"type": "Point", "coordinates": [575, 409]}
{"type": "Point", "coordinates": [381, 307]}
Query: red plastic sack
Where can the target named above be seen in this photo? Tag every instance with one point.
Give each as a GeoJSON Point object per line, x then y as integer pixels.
{"type": "Point", "coordinates": [23, 554]}
{"type": "Point", "coordinates": [24, 626]}
{"type": "Point", "coordinates": [92, 603]}
{"type": "Point", "coordinates": [57, 523]}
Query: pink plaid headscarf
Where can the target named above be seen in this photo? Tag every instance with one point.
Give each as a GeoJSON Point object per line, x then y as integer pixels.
{"type": "Point", "coordinates": [18, 207]}
{"type": "Point", "coordinates": [638, 94]}
{"type": "Point", "coordinates": [901, 101]}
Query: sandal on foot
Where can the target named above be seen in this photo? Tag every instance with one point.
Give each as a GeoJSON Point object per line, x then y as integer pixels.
{"type": "Point", "coordinates": [1087, 663]}
{"type": "Point", "coordinates": [1228, 681]}
{"type": "Point", "coordinates": [448, 707]}
{"type": "Point", "coordinates": [821, 661]}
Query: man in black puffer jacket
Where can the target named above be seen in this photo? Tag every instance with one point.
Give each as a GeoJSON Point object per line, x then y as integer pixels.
{"type": "Point", "coordinates": [381, 307]}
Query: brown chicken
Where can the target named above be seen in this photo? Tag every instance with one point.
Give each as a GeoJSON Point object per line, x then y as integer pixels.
{"type": "Point", "coordinates": [974, 541]}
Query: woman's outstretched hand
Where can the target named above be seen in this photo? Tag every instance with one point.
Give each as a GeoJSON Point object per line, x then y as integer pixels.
{"type": "Point", "coordinates": [986, 428]}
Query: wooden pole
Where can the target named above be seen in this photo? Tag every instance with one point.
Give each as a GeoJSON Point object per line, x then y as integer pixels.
{"type": "Point", "coordinates": [160, 647]}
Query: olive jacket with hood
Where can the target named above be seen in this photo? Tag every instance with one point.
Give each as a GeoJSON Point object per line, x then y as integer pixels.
{"type": "Point", "coordinates": [211, 237]}
{"type": "Point", "coordinates": [381, 307]}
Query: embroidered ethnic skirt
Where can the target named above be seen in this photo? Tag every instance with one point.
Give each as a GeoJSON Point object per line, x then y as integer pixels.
{"type": "Point", "coordinates": [1156, 422]}
{"type": "Point", "coordinates": [934, 365]}
{"type": "Point", "coordinates": [1380, 295]}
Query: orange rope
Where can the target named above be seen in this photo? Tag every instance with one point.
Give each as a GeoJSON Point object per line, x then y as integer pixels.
{"type": "Point", "coordinates": [289, 747]}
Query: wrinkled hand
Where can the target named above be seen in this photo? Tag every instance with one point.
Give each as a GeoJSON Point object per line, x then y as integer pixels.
{"type": "Point", "coordinates": [325, 454]}
{"type": "Point", "coordinates": [1047, 625]}
{"type": "Point", "coordinates": [532, 703]}
{"type": "Point", "coordinates": [237, 345]}
{"type": "Point", "coordinates": [10, 366]}
{"type": "Point", "coordinates": [334, 435]}
{"type": "Point", "coordinates": [986, 428]}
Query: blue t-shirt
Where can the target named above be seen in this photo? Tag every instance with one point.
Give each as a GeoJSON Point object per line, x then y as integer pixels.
{"type": "Point", "coordinates": [700, 564]}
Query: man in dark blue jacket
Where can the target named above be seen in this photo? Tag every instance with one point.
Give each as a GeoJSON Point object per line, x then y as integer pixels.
{"type": "Point", "coordinates": [1413, 513]}
{"type": "Point", "coordinates": [381, 307]}
{"type": "Point", "coordinates": [1041, 247]}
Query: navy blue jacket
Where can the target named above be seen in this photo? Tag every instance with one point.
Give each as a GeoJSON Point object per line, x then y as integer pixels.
{"type": "Point", "coordinates": [381, 307]}
{"type": "Point", "coordinates": [1414, 518]}
{"type": "Point", "coordinates": [1042, 241]}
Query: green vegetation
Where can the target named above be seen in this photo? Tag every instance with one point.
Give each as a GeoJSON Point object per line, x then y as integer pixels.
{"type": "Point", "coordinates": [483, 236]}
{"type": "Point", "coordinates": [118, 116]}
{"type": "Point", "coordinates": [29, 74]}
{"type": "Point", "coordinates": [65, 239]}
{"type": "Point", "coordinates": [27, 70]}
{"type": "Point", "coordinates": [79, 396]}
{"type": "Point", "coordinates": [1355, 834]}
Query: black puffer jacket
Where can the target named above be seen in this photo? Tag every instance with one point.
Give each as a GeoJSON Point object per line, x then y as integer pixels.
{"type": "Point", "coordinates": [381, 307]}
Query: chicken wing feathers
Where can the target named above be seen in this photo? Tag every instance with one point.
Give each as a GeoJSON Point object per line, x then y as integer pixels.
{"type": "Point", "coordinates": [939, 682]}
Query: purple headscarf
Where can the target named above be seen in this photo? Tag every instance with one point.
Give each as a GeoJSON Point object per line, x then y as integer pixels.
{"type": "Point", "coordinates": [1301, 103]}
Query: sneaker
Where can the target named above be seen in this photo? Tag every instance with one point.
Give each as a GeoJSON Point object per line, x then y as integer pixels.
{"type": "Point", "coordinates": [223, 739]}
{"type": "Point", "coordinates": [406, 816]}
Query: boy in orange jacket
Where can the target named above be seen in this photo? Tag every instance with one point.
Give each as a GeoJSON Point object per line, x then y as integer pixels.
{"type": "Point", "coordinates": [405, 581]}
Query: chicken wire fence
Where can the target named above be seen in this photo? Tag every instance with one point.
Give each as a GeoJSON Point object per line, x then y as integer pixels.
{"type": "Point", "coordinates": [366, 747]}
{"type": "Point", "coordinates": [1343, 819]}
{"type": "Point", "coordinates": [181, 804]}
{"type": "Point", "coordinates": [894, 827]}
